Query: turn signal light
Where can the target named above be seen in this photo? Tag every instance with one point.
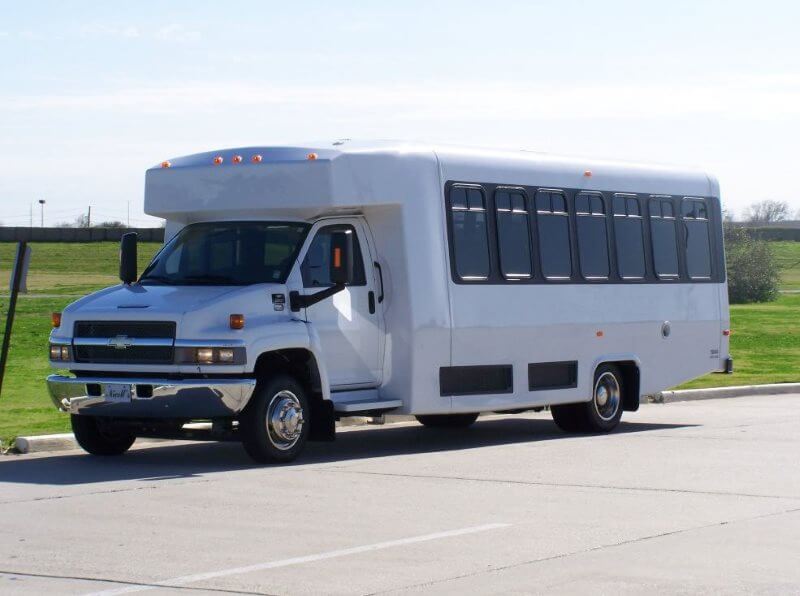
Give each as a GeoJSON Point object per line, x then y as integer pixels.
{"type": "Point", "coordinates": [237, 321]}
{"type": "Point", "coordinates": [55, 319]}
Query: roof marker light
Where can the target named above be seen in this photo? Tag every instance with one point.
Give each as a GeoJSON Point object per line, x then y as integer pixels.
{"type": "Point", "coordinates": [587, 173]}
{"type": "Point", "coordinates": [256, 159]}
{"type": "Point", "coordinates": [166, 164]}
{"type": "Point", "coordinates": [237, 159]}
{"type": "Point", "coordinates": [311, 156]}
{"type": "Point", "coordinates": [218, 160]}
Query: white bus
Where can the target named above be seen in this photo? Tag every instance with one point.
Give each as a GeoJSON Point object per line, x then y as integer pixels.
{"type": "Point", "coordinates": [299, 285]}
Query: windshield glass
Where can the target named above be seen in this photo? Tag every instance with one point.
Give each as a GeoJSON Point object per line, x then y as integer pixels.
{"type": "Point", "coordinates": [228, 254]}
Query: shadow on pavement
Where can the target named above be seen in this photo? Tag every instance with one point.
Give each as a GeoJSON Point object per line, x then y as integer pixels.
{"type": "Point", "coordinates": [188, 460]}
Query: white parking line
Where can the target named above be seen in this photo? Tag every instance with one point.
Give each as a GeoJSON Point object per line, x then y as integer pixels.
{"type": "Point", "coordinates": [189, 579]}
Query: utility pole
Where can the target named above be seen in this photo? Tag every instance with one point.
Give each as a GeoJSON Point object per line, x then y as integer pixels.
{"type": "Point", "coordinates": [42, 202]}
{"type": "Point", "coordinates": [31, 215]}
{"type": "Point", "coordinates": [129, 214]}
{"type": "Point", "coordinates": [89, 218]}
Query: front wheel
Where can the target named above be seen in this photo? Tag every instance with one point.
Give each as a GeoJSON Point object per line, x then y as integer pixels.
{"type": "Point", "coordinates": [447, 420]}
{"type": "Point", "coordinates": [274, 425]}
{"type": "Point", "coordinates": [99, 436]}
{"type": "Point", "coordinates": [602, 413]}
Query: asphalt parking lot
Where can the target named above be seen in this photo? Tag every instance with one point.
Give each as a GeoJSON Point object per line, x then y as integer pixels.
{"type": "Point", "coordinates": [699, 496]}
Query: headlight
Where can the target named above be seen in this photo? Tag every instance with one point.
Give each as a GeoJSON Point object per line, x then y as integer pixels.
{"type": "Point", "coordinates": [59, 352]}
{"type": "Point", "coordinates": [210, 355]}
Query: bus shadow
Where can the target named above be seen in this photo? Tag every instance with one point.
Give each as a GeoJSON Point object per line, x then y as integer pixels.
{"type": "Point", "coordinates": [175, 460]}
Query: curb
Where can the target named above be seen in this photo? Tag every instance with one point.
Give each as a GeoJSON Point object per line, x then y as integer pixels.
{"type": "Point", "coordinates": [666, 397]}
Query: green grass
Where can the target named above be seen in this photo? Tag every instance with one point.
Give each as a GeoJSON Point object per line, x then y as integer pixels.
{"type": "Point", "coordinates": [765, 342]}
{"type": "Point", "coordinates": [788, 257]}
{"type": "Point", "coordinates": [56, 271]}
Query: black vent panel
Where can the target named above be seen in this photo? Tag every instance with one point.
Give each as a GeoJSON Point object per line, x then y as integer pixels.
{"type": "Point", "coordinates": [131, 355]}
{"type": "Point", "coordinates": [143, 329]}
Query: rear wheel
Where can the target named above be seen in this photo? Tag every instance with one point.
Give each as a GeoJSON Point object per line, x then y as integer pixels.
{"type": "Point", "coordinates": [602, 413]}
{"type": "Point", "coordinates": [274, 425]}
{"type": "Point", "coordinates": [99, 436]}
{"type": "Point", "coordinates": [447, 420]}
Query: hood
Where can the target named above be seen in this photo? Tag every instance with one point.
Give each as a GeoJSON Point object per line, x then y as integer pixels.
{"type": "Point", "coordinates": [160, 300]}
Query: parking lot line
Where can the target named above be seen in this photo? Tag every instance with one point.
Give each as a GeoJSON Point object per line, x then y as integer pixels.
{"type": "Point", "coordinates": [189, 579]}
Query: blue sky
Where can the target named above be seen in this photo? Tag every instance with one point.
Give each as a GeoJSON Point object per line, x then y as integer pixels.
{"type": "Point", "coordinates": [93, 93]}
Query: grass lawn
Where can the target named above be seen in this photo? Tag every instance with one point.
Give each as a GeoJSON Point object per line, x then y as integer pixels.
{"type": "Point", "coordinates": [765, 342]}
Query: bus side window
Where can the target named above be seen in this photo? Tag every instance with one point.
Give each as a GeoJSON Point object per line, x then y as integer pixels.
{"type": "Point", "coordinates": [665, 242]}
{"type": "Point", "coordinates": [469, 233]}
{"type": "Point", "coordinates": [629, 234]}
{"type": "Point", "coordinates": [694, 214]}
{"type": "Point", "coordinates": [553, 232]}
{"type": "Point", "coordinates": [513, 234]}
{"type": "Point", "coordinates": [592, 235]}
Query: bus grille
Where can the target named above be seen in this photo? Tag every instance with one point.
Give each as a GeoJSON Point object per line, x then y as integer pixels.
{"type": "Point", "coordinates": [115, 342]}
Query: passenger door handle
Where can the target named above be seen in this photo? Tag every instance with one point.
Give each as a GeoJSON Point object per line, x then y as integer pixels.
{"type": "Point", "coordinates": [380, 276]}
{"type": "Point", "coordinates": [371, 297]}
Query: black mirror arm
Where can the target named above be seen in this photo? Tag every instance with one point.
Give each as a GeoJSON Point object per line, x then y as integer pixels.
{"type": "Point", "coordinates": [298, 301]}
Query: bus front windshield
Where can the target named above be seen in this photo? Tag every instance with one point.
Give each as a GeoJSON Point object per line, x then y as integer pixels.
{"type": "Point", "coordinates": [228, 254]}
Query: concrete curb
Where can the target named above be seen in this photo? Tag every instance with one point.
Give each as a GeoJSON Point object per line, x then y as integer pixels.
{"type": "Point", "coordinates": [666, 397]}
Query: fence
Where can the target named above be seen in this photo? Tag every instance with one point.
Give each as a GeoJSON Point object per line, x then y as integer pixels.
{"type": "Point", "coordinates": [78, 234]}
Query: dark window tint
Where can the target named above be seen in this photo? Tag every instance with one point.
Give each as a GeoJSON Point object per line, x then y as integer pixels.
{"type": "Point", "coordinates": [592, 236]}
{"type": "Point", "coordinates": [513, 234]}
{"type": "Point", "coordinates": [553, 228]}
{"type": "Point", "coordinates": [629, 234]}
{"type": "Point", "coordinates": [470, 240]}
{"type": "Point", "coordinates": [662, 231]}
{"type": "Point", "coordinates": [698, 248]}
{"type": "Point", "coordinates": [316, 267]}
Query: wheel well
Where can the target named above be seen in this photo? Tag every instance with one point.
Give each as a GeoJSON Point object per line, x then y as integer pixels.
{"type": "Point", "coordinates": [630, 384]}
{"type": "Point", "coordinates": [302, 365]}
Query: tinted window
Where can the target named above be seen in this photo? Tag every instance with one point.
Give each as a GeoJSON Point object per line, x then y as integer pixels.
{"type": "Point", "coordinates": [553, 228]}
{"type": "Point", "coordinates": [628, 231]}
{"type": "Point", "coordinates": [698, 248]}
{"type": "Point", "coordinates": [662, 231]}
{"type": "Point", "coordinates": [470, 240]}
{"type": "Point", "coordinates": [228, 253]}
{"type": "Point", "coordinates": [513, 234]}
{"type": "Point", "coordinates": [316, 266]}
{"type": "Point", "coordinates": [592, 236]}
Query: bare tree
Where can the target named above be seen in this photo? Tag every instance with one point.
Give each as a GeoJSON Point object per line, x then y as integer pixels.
{"type": "Point", "coordinates": [727, 215]}
{"type": "Point", "coordinates": [767, 211]}
{"type": "Point", "coordinates": [110, 224]}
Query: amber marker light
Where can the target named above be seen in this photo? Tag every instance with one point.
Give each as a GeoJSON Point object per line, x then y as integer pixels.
{"type": "Point", "coordinates": [587, 173]}
{"type": "Point", "coordinates": [237, 159]}
{"type": "Point", "coordinates": [218, 160]}
{"type": "Point", "coordinates": [256, 159]}
{"type": "Point", "coordinates": [237, 321]}
{"type": "Point", "coordinates": [166, 164]}
{"type": "Point", "coordinates": [599, 334]}
{"type": "Point", "coordinates": [311, 156]}
{"type": "Point", "coordinates": [55, 319]}
{"type": "Point", "coordinates": [727, 332]}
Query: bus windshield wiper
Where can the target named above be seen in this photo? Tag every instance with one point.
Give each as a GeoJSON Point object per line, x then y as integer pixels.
{"type": "Point", "coordinates": [207, 278]}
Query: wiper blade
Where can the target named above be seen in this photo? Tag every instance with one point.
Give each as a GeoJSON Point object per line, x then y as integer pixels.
{"type": "Point", "coordinates": [208, 278]}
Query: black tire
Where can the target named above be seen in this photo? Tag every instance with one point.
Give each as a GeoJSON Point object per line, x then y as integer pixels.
{"type": "Point", "coordinates": [268, 436]}
{"type": "Point", "coordinates": [602, 413]}
{"type": "Point", "coordinates": [447, 420]}
{"type": "Point", "coordinates": [98, 436]}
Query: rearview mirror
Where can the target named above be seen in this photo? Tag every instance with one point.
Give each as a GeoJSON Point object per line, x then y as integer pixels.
{"type": "Point", "coordinates": [127, 258]}
{"type": "Point", "coordinates": [341, 258]}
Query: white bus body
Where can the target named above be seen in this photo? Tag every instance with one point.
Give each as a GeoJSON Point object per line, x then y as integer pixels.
{"type": "Point", "coordinates": [486, 281]}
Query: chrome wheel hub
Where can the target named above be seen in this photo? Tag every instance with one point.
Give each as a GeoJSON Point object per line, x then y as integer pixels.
{"type": "Point", "coordinates": [285, 420]}
{"type": "Point", "coordinates": [607, 396]}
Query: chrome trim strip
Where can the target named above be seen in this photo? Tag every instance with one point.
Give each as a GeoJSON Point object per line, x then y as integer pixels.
{"type": "Point", "coordinates": [170, 398]}
{"type": "Point", "coordinates": [148, 342]}
{"type": "Point", "coordinates": [60, 341]}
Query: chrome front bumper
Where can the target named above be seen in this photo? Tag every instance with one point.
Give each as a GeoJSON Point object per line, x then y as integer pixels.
{"type": "Point", "coordinates": [152, 398]}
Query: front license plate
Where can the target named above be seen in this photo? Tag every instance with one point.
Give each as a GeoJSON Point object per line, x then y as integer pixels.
{"type": "Point", "coordinates": [118, 393]}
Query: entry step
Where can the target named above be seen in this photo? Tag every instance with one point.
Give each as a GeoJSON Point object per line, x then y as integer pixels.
{"type": "Point", "coordinates": [368, 405]}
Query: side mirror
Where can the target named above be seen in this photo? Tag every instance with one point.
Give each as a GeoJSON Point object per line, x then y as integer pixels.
{"type": "Point", "coordinates": [341, 258]}
{"type": "Point", "coordinates": [127, 258]}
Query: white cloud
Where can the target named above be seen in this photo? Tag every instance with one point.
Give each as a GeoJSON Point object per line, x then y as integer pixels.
{"type": "Point", "coordinates": [102, 29]}
{"type": "Point", "coordinates": [176, 32]}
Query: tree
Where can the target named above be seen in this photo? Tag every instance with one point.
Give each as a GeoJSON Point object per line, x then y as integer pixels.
{"type": "Point", "coordinates": [111, 224]}
{"type": "Point", "coordinates": [753, 273]}
{"type": "Point", "coordinates": [767, 212]}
